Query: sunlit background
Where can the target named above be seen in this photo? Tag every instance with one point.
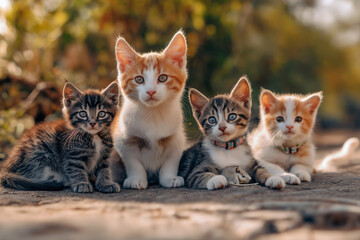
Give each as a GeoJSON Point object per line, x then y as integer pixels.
{"type": "Point", "coordinates": [295, 46]}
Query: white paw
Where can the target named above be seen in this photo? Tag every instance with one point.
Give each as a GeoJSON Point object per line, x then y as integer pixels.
{"type": "Point", "coordinates": [216, 182]}
{"type": "Point", "coordinates": [290, 178]}
{"type": "Point", "coordinates": [303, 176]}
{"type": "Point", "coordinates": [172, 182]}
{"type": "Point", "coordinates": [135, 183]}
{"type": "Point", "coordinates": [275, 182]}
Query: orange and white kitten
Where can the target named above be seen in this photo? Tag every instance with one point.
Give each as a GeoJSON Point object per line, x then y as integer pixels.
{"type": "Point", "coordinates": [148, 132]}
{"type": "Point", "coordinates": [282, 141]}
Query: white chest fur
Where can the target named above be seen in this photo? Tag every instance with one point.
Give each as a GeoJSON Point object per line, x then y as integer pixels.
{"type": "Point", "coordinates": [225, 158]}
{"type": "Point", "coordinates": [95, 158]}
{"type": "Point", "coordinates": [151, 123]}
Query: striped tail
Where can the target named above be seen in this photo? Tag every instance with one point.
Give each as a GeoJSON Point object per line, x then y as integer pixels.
{"type": "Point", "coordinates": [14, 181]}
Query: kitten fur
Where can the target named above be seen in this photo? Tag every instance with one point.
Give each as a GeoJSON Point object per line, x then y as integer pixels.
{"type": "Point", "coordinates": [148, 133]}
{"type": "Point", "coordinates": [67, 152]}
{"type": "Point", "coordinates": [286, 120]}
{"type": "Point", "coordinates": [205, 165]}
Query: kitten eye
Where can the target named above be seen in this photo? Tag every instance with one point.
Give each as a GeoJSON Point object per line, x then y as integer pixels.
{"type": "Point", "coordinates": [232, 117]}
{"type": "Point", "coordinates": [83, 114]}
{"type": "Point", "coordinates": [298, 119]}
{"type": "Point", "coordinates": [101, 114]}
{"type": "Point", "coordinates": [212, 120]}
{"type": "Point", "coordinates": [162, 78]}
{"type": "Point", "coordinates": [139, 80]}
{"type": "Point", "coordinates": [279, 119]}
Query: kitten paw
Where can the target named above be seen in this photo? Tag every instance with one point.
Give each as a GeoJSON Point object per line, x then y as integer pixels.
{"type": "Point", "coordinates": [290, 178]}
{"type": "Point", "coordinates": [135, 183]}
{"type": "Point", "coordinates": [303, 176]}
{"type": "Point", "coordinates": [108, 187]}
{"type": "Point", "coordinates": [235, 175]}
{"type": "Point", "coordinates": [173, 182]}
{"type": "Point", "coordinates": [275, 182]}
{"type": "Point", "coordinates": [82, 188]}
{"type": "Point", "coordinates": [216, 182]}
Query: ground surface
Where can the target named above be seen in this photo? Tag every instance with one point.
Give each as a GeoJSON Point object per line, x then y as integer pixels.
{"type": "Point", "coordinates": [327, 208]}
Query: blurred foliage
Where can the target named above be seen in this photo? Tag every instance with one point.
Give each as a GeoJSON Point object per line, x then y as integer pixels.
{"type": "Point", "coordinates": [50, 40]}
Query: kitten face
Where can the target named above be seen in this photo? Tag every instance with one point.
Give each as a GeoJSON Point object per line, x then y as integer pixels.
{"type": "Point", "coordinates": [153, 78]}
{"type": "Point", "coordinates": [225, 117]}
{"type": "Point", "coordinates": [91, 110]}
{"type": "Point", "coordinates": [289, 117]}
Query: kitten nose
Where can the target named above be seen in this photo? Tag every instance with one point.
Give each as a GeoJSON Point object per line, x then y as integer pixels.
{"type": "Point", "coordinates": [92, 124]}
{"type": "Point", "coordinates": [289, 127]}
{"type": "Point", "coordinates": [151, 93]}
{"type": "Point", "coordinates": [222, 128]}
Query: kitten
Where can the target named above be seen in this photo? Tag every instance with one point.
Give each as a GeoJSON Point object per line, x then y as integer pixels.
{"type": "Point", "coordinates": [223, 156]}
{"type": "Point", "coordinates": [282, 141]}
{"type": "Point", "coordinates": [67, 152]}
{"type": "Point", "coordinates": [148, 132]}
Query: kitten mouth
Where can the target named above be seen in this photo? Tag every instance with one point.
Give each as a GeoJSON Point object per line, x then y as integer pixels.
{"type": "Point", "coordinates": [93, 130]}
{"type": "Point", "coordinates": [224, 134]}
{"type": "Point", "coordinates": [289, 132]}
{"type": "Point", "coordinates": [151, 99]}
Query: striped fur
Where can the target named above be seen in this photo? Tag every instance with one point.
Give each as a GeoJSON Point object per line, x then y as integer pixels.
{"type": "Point", "coordinates": [205, 165]}
{"type": "Point", "coordinates": [54, 155]}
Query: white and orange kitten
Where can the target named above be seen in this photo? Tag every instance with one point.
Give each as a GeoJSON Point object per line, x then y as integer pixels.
{"type": "Point", "coordinates": [282, 141]}
{"type": "Point", "coordinates": [148, 132]}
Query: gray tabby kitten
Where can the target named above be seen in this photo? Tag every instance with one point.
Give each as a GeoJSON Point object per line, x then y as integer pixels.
{"type": "Point", "coordinates": [223, 156]}
{"type": "Point", "coordinates": [67, 152]}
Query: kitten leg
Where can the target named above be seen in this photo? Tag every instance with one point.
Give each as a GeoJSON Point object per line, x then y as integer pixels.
{"type": "Point", "coordinates": [268, 174]}
{"type": "Point", "coordinates": [206, 176]}
{"type": "Point", "coordinates": [303, 172]}
{"type": "Point", "coordinates": [168, 171]}
{"type": "Point", "coordinates": [77, 176]}
{"type": "Point", "coordinates": [235, 175]}
{"type": "Point", "coordinates": [136, 175]}
{"type": "Point", "coordinates": [208, 180]}
{"type": "Point", "coordinates": [104, 181]}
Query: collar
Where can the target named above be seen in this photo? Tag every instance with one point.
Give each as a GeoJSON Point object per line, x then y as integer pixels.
{"type": "Point", "coordinates": [230, 144]}
{"type": "Point", "coordinates": [290, 150]}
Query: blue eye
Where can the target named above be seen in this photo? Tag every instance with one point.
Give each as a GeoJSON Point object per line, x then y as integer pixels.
{"type": "Point", "coordinates": [298, 119]}
{"type": "Point", "coordinates": [83, 114]}
{"type": "Point", "coordinates": [139, 80]}
{"type": "Point", "coordinates": [162, 78]}
{"type": "Point", "coordinates": [212, 120]}
{"type": "Point", "coordinates": [101, 114]}
{"type": "Point", "coordinates": [279, 119]}
{"type": "Point", "coordinates": [232, 117]}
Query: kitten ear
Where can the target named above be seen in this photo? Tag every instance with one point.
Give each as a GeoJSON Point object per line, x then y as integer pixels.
{"type": "Point", "coordinates": [312, 102]}
{"type": "Point", "coordinates": [198, 101]}
{"type": "Point", "coordinates": [267, 99]}
{"type": "Point", "coordinates": [70, 93]}
{"type": "Point", "coordinates": [176, 50]}
{"type": "Point", "coordinates": [125, 55]}
{"type": "Point", "coordinates": [242, 92]}
{"type": "Point", "coordinates": [112, 92]}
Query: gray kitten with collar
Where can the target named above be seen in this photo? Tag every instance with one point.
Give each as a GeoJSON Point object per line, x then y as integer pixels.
{"type": "Point", "coordinates": [222, 156]}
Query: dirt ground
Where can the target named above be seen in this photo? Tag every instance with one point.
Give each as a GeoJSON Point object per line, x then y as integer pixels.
{"type": "Point", "coordinates": [327, 208]}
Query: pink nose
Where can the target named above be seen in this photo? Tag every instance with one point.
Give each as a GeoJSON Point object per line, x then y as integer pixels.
{"type": "Point", "coordinates": [151, 93]}
{"type": "Point", "coordinates": [289, 127]}
{"type": "Point", "coordinates": [92, 124]}
{"type": "Point", "coordinates": [222, 129]}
